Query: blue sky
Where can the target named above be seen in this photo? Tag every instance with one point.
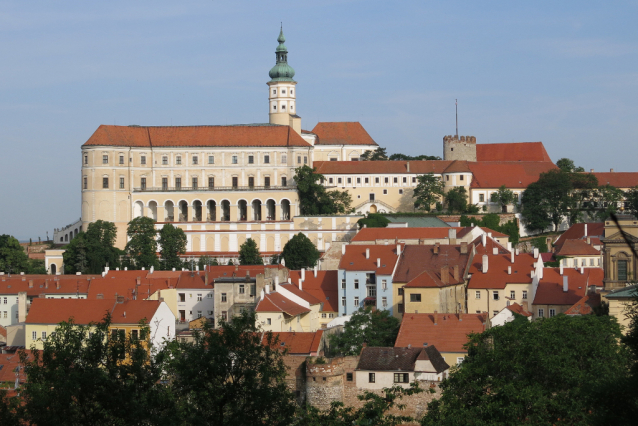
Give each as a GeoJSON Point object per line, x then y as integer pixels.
{"type": "Point", "coordinates": [565, 73]}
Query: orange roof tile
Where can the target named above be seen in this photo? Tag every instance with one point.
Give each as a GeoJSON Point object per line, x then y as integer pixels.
{"type": "Point", "coordinates": [494, 174]}
{"type": "Point", "coordinates": [585, 305]}
{"type": "Point", "coordinates": [618, 179]}
{"type": "Point", "coordinates": [342, 133]}
{"type": "Point", "coordinates": [420, 267]}
{"type": "Point", "coordinates": [276, 302]}
{"type": "Point", "coordinates": [550, 288]}
{"type": "Point", "coordinates": [577, 231]}
{"type": "Point", "coordinates": [54, 311]}
{"type": "Point", "coordinates": [302, 343]}
{"type": "Point", "coordinates": [194, 280]}
{"type": "Point", "coordinates": [496, 276]}
{"type": "Point", "coordinates": [294, 289]}
{"type": "Point", "coordinates": [518, 309]}
{"type": "Point", "coordinates": [577, 248]}
{"type": "Point", "coordinates": [134, 311]}
{"type": "Point", "coordinates": [448, 334]}
{"type": "Point", "coordinates": [355, 258]}
{"type": "Point", "coordinates": [515, 151]}
{"type": "Point", "coordinates": [457, 166]}
{"type": "Point", "coordinates": [323, 287]}
{"type": "Point", "coordinates": [195, 136]}
{"type": "Point", "coordinates": [386, 167]}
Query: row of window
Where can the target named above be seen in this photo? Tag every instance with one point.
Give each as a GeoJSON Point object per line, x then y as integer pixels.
{"type": "Point", "coordinates": [366, 180]}
{"type": "Point", "coordinates": [5, 314]}
{"type": "Point", "coordinates": [496, 294]}
{"type": "Point", "coordinates": [541, 313]}
{"type": "Point", "coordinates": [283, 91]}
{"type": "Point", "coordinates": [355, 300]}
{"type": "Point", "coordinates": [370, 279]}
{"type": "Point", "coordinates": [583, 262]}
{"type": "Point", "coordinates": [178, 182]}
{"type": "Point", "coordinates": [482, 197]}
{"type": "Point", "coordinates": [195, 159]}
{"type": "Point", "coordinates": [182, 297]}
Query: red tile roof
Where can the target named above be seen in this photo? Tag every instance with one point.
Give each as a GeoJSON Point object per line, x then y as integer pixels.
{"type": "Point", "coordinates": [586, 305]}
{"type": "Point", "coordinates": [515, 151]}
{"type": "Point", "coordinates": [83, 311]}
{"type": "Point", "coordinates": [496, 276]}
{"type": "Point", "coordinates": [420, 267]}
{"type": "Point", "coordinates": [494, 174]}
{"type": "Point", "coordinates": [374, 234]}
{"type": "Point", "coordinates": [448, 335]}
{"type": "Point", "coordinates": [385, 167]}
{"type": "Point", "coordinates": [457, 166]}
{"type": "Point", "coordinates": [3, 332]}
{"type": "Point", "coordinates": [9, 364]}
{"type": "Point", "coordinates": [577, 248]}
{"type": "Point", "coordinates": [342, 133]}
{"type": "Point", "coordinates": [623, 180]}
{"type": "Point", "coordinates": [518, 309]}
{"type": "Point", "coordinates": [303, 343]}
{"type": "Point", "coordinates": [45, 284]}
{"type": "Point", "coordinates": [276, 302]}
{"type": "Point", "coordinates": [577, 231]}
{"type": "Point", "coordinates": [355, 258]}
{"type": "Point", "coordinates": [194, 280]}
{"type": "Point", "coordinates": [324, 287]}
{"type": "Point", "coordinates": [294, 289]}
{"type": "Point", "coordinates": [550, 288]}
{"type": "Point", "coordinates": [196, 136]}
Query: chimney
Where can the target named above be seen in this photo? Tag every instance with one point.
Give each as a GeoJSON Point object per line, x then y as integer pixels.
{"type": "Point", "coordinates": [173, 269]}
{"type": "Point", "coordinates": [143, 268]}
{"type": "Point", "coordinates": [263, 293]}
{"type": "Point", "coordinates": [565, 283]}
{"type": "Point", "coordinates": [126, 268]}
{"type": "Point", "coordinates": [463, 247]}
{"type": "Point", "coordinates": [78, 273]}
{"type": "Point", "coordinates": [120, 299]}
{"type": "Point", "coordinates": [436, 248]}
{"type": "Point", "coordinates": [100, 296]}
{"type": "Point", "coordinates": [611, 170]}
{"type": "Point", "coordinates": [274, 287]}
{"type": "Point", "coordinates": [582, 270]}
{"type": "Point", "coordinates": [206, 277]}
{"type": "Point", "coordinates": [138, 281]}
{"type": "Point", "coordinates": [460, 316]}
{"type": "Point", "coordinates": [315, 271]}
{"type": "Point", "coordinates": [451, 234]}
{"type": "Point", "coordinates": [367, 253]}
{"type": "Point", "coordinates": [124, 314]}
{"type": "Point", "coordinates": [378, 262]}
{"type": "Point", "coordinates": [484, 239]}
{"type": "Point", "coordinates": [343, 249]}
{"type": "Point", "coordinates": [561, 267]}
{"type": "Point", "coordinates": [509, 246]}
{"type": "Point", "coordinates": [512, 257]}
{"type": "Point", "coordinates": [57, 285]}
{"type": "Point", "coordinates": [494, 251]}
{"type": "Point", "coordinates": [46, 284]}
{"type": "Point", "coordinates": [196, 268]}
{"type": "Point", "coordinates": [267, 289]}
{"type": "Point", "coordinates": [484, 263]}
{"type": "Point", "coordinates": [445, 275]}
{"type": "Point", "coordinates": [22, 306]}
{"type": "Point", "coordinates": [517, 252]}
{"type": "Point", "coordinates": [106, 269]}
{"type": "Point", "coordinates": [153, 268]}
{"type": "Point", "coordinates": [30, 283]}
{"type": "Point", "coordinates": [585, 229]}
{"type": "Point", "coordinates": [456, 273]}
{"type": "Point", "coordinates": [398, 249]}
{"type": "Point", "coordinates": [303, 274]}
{"type": "Point", "coordinates": [591, 170]}
{"type": "Point", "coordinates": [535, 253]}
{"type": "Point", "coordinates": [300, 284]}
{"type": "Point", "coordinates": [509, 270]}
{"type": "Point", "coordinates": [489, 234]}
{"type": "Point", "coordinates": [407, 165]}
{"type": "Point", "coordinates": [588, 240]}
{"type": "Point", "coordinates": [436, 317]}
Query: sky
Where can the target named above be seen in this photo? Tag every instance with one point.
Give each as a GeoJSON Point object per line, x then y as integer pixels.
{"type": "Point", "coordinates": [564, 73]}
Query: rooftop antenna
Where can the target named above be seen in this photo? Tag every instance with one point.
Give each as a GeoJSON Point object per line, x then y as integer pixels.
{"type": "Point", "coordinates": [456, 105]}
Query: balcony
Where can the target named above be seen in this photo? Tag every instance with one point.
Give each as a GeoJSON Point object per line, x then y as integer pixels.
{"type": "Point", "coordinates": [214, 189]}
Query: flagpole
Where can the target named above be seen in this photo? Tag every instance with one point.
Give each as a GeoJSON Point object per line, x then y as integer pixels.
{"type": "Point", "coordinates": [456, 105]}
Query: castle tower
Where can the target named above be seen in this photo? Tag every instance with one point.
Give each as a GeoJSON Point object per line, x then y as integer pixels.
{"type": "Point", "coordinates": [281, 90]}
{"type": "Point", "coordinates": [459, 148]}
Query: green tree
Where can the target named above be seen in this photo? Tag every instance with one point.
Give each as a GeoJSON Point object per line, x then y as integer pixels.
{"type": "Point", "coordinates": [172, 242]}
{"type": "Point", "coordinates": [249, 253]}
{"type": "Point", "coordinates": [403, 157]}
{"type": "Point", "coordinates": [604, 201]}
{"type": "Point", "coordinates": [36, 266]}
{"type": "Point", "coordinates": [456, 200]}
{"type": "Point", "coordinates": [313, 197]}
{"type": "Point", "coordinates": [548, 371]}
{"type": "Point", "coordinates": [547, 201]}
{"type": "Point", "coordinates": [92, 250]}
{"type": "Point", "coordinates": [373, 412]}
{"type": "Point", "coordinates": [567, 165]}
{"type": "Point", "coordinates": [378, 154]}
{"type": "Point", "coordinates": [299, 252]}
{"type": "Point", "coordinates": [206, 261]}
{"type": "Point", "coordinates": [142, 246]}
{"type": "Point", "coordinates": [13, 258]}
{"type": "Point", "coordinates": [428, 191]}
{"type": "Point", "coordinates": [631, 201]}
{"type": "Point", "coordinates": [373, 220]}
{"type": "Point", "coordinates": [504, 197]}
{"type": "Point", "coordinates": [374, 327]}
{"type": "Point", "coordinates": [80, 377]}
{"type": "Point", "coordinates": [8, 409]}
{"type": "Point", "coordinates": [230, 377]}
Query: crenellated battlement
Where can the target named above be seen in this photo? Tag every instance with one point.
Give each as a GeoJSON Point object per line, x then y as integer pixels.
{"type": "Point", "coordinates": [459, 148]}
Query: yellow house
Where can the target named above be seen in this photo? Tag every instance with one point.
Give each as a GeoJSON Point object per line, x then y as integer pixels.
{"type": "Point", "coordinates": [46, 314]}
{"type": "Point", "coordinates": [288, 309]}
{"type": "Point", "coordinates": [620, 301]}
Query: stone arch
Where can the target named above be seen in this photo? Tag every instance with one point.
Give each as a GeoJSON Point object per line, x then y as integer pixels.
{"type": "Point", "coordinates": [196, 242]}
{"type": "Point", "coordinates": [66, 238]}
{"type": "Point", "coordinates": [270, 243]}
{"type": "Point", "coordinates": [225, 210]}
{"type": "Point", "coordinates": [373, 208]}
{"type": "Point", "coordinates": [271, 209]}
{"type": "Point", "coordinates": [182, 209]}
{"type": "Point", "coordinates": [224, 243]}
{"type": "Point", "coordinates": [169, 211]}
{"type": "Point", "coordinates": [210, 243]}
{"type": "Point", "coordinates": [256, 209]}
{"type": "Point", "coordinates": [197, 211]}
{"type": "Point", "coordinates": [138, 209]}
{"type": "Point", "coordinates": [211, 210]}
{"type": "Point", "coordinates": [285, 209]}
{"type": "Point", "coordinates": [54, 269]}
{"type": "Point", "coordinates": [242, 210]}
{"type": "Point", "coordinates": [75, 233]}
{"type": "Point", "coordinates": [152, 210]}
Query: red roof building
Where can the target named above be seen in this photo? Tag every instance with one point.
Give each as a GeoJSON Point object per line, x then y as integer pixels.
{"type": "Point", "coordinates": [342, 133]}
{"type": "Point", "coordinates": [557, 293]}
{"type": "Point", "coordinates": [515, 151]}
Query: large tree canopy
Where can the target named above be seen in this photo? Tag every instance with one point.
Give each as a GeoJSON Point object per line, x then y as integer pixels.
{"type": "Point", "coordinates": [299, 252]}
{"type": "Point", "coordinates": [549, 371]}
{"type": "Point", "coordinates": [373, 327]}
{"type": "Point", "coordinates": [142, 247]}
{"type": "Point", "coordinates": [314, 199]}
{"type": "Point", "coordinates": [249, 253]}
{"type": "Point", "coordinates": [172, 243]}
{"type": "Point", "coordinates": [91, 251]}
{"type": "Point", "coordinates": [428, 191]}
{"type": "Point", "coordinates": [13, 258]}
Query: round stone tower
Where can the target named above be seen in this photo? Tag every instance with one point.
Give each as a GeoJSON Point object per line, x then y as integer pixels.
{"type": "Point", "coordinates": [459, 148]}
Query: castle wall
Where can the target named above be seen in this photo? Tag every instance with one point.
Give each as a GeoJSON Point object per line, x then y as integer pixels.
{"type": "Point", "coordinates": [459, 148]}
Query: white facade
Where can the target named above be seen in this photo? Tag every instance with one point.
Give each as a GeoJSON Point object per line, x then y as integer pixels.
{"type": "Point", "coordinates": [162, 326]}
{"type": "Point", "coordinates": [195, 303]}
